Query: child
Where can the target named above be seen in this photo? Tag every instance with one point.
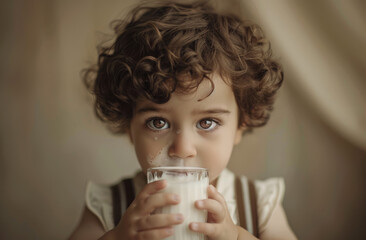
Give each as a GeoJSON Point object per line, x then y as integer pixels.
{"type": "Point", "coordinates": [184, 82]}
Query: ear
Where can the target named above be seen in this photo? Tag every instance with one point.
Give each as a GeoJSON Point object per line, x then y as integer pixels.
{"type": "Point", "coordinates": [239, 134]}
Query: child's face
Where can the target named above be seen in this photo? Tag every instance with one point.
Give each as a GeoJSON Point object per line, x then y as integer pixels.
{"type": "Point", "coordinates": [185, 130]}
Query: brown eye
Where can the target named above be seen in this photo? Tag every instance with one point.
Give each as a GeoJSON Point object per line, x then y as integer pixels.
{"type": "Point", "coordinates": [206, 124]}
{"type": "Point", "coordinates": [157, 124]}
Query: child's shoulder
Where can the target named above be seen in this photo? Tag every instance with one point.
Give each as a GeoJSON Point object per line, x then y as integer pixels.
{"type": "Point", "coordinates": [267, 190]}
{"type": "Point", "coordinates": [269, 193]}
{"type": "Point", "coordinates": [100, 198]}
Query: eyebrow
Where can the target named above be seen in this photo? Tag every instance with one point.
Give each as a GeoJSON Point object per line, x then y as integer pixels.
{"type": "Point", "coordinates": [150, 109]}
{"type": "Point", "coordinates": [213, 111]}
{"type": "Point", "coordinates": [208, 111]}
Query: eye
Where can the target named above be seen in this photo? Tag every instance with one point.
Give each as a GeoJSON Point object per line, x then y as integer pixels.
{"type": "Point", "coordinates": [157, 124]}
{"type": "Point", "coordinates": [207, 124]}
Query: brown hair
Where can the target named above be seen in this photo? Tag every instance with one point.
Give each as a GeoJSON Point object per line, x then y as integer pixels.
{"type": "Point", "coordinates": [160, 44]}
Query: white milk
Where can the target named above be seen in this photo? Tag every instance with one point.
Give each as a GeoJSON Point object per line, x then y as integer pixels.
{"type": "Point", "coordinates": [191, 185]}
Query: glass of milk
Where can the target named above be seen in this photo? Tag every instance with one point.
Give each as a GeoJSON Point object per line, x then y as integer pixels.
{"type": "Point", "coordinates": [190, 183]}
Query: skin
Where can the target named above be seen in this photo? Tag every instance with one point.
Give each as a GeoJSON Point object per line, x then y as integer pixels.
{"type": "Point", "coordinates": [200, 130]}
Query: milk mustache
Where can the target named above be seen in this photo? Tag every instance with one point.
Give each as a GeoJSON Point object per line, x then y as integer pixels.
{"type": "Point", "coordinates": [190, 183]}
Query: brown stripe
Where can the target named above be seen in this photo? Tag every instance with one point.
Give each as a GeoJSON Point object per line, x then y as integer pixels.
{"type": "Point", "coordinates": [129, 191]}
{"type": "Point", "coordinates": [253, 204]}
{"type": "Point", "coordinates": [240, 202]}
{"type": "Point", "coordinates": [116, 199]}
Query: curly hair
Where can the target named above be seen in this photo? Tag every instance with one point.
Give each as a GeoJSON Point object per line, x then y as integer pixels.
{"type": "Point", "coordinates": [158, 45]}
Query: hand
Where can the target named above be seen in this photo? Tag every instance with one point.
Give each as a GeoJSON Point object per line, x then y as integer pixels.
{"type": "Point", "coordinates": [219, 224]}
{"type": "Point", "coordinates": [138, 223]}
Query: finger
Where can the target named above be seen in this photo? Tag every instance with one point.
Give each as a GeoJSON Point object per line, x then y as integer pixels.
{"type": "Point", "coordinates": [213, 207]}
{"type": "Point", "coordinates": [148, 205]}
{"type": "Point", "coordinates": [155, 234]}
{"type": "Point", "coordinates": [158, 221]}
{"type": "Point", "coordinates": [208, 229]}
{"type": "Point", "coordinates": [214, 194]}
{"type": "Point", "coordinates": [148, 190]}
{"type": "Point", "coordinates": [152, 188]}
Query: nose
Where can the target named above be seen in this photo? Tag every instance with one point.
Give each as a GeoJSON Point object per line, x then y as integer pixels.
{"type": "Point", "coordinates": [182, 146]}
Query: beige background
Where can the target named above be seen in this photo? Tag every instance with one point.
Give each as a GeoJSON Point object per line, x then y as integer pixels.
{"type": "Point", "coordinates": [51, 144]}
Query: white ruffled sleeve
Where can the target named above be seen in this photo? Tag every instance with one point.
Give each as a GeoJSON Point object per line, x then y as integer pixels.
{"type": "Point", "coordinates": [98, 200]}
{"type": "Point", "coordinates": [270, 193]}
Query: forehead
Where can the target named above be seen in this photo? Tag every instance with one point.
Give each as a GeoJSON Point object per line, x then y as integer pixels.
{"type": "Point", "coordinates": [214, 91]}
{"type": "Point", "coordinates": [210, 88]}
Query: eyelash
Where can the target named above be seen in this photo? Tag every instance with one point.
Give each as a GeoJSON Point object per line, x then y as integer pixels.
{"type": "Point", "coordinates": [154, 129]}
{"type": "Point", "coordinates": [215, 121]}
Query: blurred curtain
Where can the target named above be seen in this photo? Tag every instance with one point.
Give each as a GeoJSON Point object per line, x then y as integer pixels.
{"type": "Point", "coordinates": [321, 150]}
{"type": "Point", "coordinates": [322, 45]}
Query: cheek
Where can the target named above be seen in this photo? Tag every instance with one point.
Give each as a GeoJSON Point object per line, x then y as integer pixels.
{"type": "Point", "coordinates": [217, 156]}
{"type": "Point", "coordinates": [150, 152]}
{"type": "Point", "coordinates": [148, 147]}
